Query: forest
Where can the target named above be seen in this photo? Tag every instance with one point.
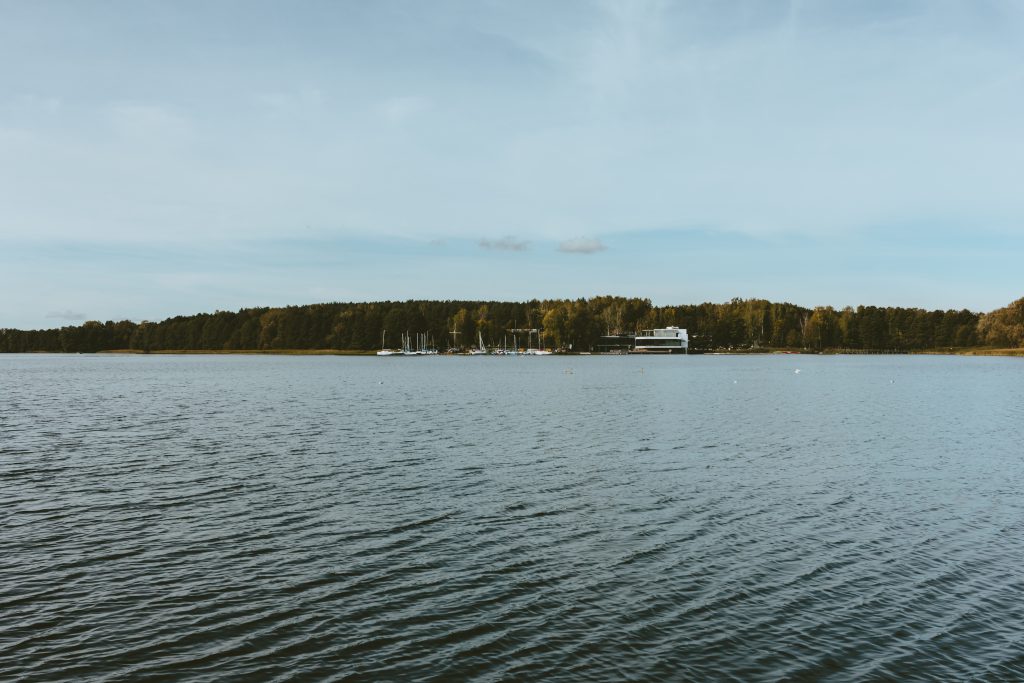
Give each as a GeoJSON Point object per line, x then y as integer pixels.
{"type": "Point", "coordinates": [577, 325]}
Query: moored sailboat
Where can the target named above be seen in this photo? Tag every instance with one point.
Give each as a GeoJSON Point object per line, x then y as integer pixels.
{"type": "Point", "coordinates": [386, 351]}
{"type": "Point", "coordinates": [481, 350]}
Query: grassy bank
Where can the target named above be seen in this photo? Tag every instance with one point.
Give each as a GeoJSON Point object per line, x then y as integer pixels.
{"type": "Point", "coordinates": [980, 351]}
{"type": "Point", "coordinates": [962, 351]}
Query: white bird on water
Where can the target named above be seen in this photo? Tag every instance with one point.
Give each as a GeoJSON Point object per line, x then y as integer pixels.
{"type": "Point", "coordinates": [797, 371]}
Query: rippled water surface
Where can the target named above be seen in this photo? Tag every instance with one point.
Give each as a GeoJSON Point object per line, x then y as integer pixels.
{"type": "Point", "coordinates": [558, 518]}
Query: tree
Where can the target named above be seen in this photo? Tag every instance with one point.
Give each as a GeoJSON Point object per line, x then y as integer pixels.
{"type": "Point", "coordinates": [1003, 327]}
{"type": "Point", "coordinates": [556, 326]}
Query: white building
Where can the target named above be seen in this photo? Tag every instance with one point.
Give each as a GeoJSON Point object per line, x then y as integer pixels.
{"type": "Point", "coordinates": [662, 340]}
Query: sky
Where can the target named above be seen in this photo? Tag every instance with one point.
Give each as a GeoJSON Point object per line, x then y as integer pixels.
{"type": "Point", "coordinates": [164, 158]}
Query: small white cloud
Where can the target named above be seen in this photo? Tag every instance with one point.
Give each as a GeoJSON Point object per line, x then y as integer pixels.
{"type": "Point", "coordinates": [505, 244]}
{"type": "Point", "coordinates": [66, 315]}
{"type": "Point", "coordinates": [582, 245]}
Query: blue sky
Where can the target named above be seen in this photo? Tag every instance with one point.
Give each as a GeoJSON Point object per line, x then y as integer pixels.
{"type": "Point", "coordinates": [162, 158]}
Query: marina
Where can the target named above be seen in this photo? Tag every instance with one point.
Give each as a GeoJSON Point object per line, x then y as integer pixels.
{"type": "Point", "coordinates": [661, 340]}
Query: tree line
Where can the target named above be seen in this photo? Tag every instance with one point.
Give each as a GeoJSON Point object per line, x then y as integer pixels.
{"type": "Point", "coordinates": [1003, 327]}
{"type": "Point", "coordinates": [566, 324]}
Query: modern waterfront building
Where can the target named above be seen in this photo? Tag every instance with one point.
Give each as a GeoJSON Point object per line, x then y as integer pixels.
{"type": "Point", "coordinates": [662, 340]}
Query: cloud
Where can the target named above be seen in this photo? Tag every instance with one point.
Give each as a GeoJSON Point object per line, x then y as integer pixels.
{"type": "Point", "coordinates": [66, 315]}
{"type": "Point", "coordinates": [582, 245]}
{"type": "Point", "coordinates": [505, 244]}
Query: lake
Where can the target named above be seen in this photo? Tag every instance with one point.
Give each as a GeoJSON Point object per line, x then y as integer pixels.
{"type": "Point", "coordinates": [556, 518]}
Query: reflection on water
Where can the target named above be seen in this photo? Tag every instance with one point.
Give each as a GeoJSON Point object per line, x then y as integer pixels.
{"type": "Point", "coordinates": [557, 518]}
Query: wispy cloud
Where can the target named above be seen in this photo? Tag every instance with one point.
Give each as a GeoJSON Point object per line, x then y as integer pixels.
{"type": "Point", "coordinates": [582, 245]}
{"type": "Point", "coordinates": [66, 315]}
{"type": "Point", "coordinates": [505, 244]}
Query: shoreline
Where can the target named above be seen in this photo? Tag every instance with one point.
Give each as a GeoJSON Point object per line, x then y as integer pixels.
{"type": "Point", "coordinates": [973, 351]}
{"type": "Point", "coordinates": [1009, 353]}
{"type": "Point", "coordinates": [238, 352]}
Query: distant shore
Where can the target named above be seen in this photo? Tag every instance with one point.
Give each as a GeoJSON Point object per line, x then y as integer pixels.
{"type": "Point", "coordinates": [600, 322]}
{"type": "Point", "coordinates": [975, 351]}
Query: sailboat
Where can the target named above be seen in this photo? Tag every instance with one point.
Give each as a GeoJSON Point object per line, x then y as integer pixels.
{"type": "Point", "coordinates": [538, 351]}
{"type": "Point", "coordinates": [423, 345]}
{"type": "Point", "coordinates": [427, 348]}
{"type": "Point", "coordinates": [384, 351]}
{"type": "Point", "coordinates": [407, 346]}
{"type": "Point", "coordinates": [482, 350]}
